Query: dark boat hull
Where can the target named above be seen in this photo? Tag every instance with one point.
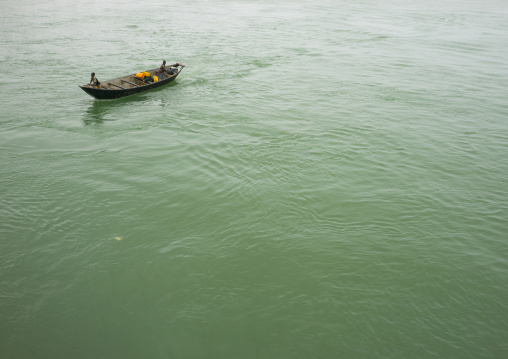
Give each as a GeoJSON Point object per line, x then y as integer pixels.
{"type": "Point", "coordinates": [111, 94]}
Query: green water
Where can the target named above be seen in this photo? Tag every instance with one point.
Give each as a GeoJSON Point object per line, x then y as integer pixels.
{"type": "Point", "coordinates": [325, 179]}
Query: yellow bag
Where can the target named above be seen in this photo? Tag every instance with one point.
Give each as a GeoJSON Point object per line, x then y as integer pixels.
{"type": "Point", "coordinates": [146, 73]}
{"type": "Point", "coordinates": [140, 75]}
{"type": "Point", "coordinates": [155, 78]}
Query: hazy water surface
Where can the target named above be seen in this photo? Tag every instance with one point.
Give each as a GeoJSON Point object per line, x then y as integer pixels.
{"type": "Point", "coordinates": [325, 179]}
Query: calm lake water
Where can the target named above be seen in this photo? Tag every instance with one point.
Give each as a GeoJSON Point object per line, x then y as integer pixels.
{"type": "Point", "coordinates": [325, 179]}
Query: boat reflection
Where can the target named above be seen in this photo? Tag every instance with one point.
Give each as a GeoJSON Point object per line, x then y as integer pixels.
{"type": "Point", "coordinates": [100, 111]}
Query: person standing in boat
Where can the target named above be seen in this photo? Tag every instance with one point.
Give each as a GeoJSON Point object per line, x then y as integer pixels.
{"type": "Point", "coordinates": [94, 81]}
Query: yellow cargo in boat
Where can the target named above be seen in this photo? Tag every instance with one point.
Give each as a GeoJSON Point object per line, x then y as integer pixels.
{"type": "Point", "coordinates": [140, 75]}
{"type": "Point", "coordinates": [146, 73]}
{"type": "Point", "coordinates": [155, 79]}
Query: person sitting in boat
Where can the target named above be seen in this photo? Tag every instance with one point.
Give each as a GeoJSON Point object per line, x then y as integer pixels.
{"type": "Point", "coordinates": [173, 69]}
{"type": "Point", "coordinates": [162, 70]}
{"type": "Point", "coordinates": [94, 81]}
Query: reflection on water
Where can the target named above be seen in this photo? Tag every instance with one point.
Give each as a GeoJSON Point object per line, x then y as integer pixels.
{"type": "Point", "coordinates": [103, 110]}
{"type": "Point", "coordinates": [96, 113]}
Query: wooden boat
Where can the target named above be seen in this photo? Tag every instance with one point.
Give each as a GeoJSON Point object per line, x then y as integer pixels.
{"type": "Point", "coordinates": [127, 85]}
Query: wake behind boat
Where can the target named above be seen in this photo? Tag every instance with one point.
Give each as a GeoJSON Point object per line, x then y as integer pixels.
{"type": "Point", "coordinates": [131, 84]}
